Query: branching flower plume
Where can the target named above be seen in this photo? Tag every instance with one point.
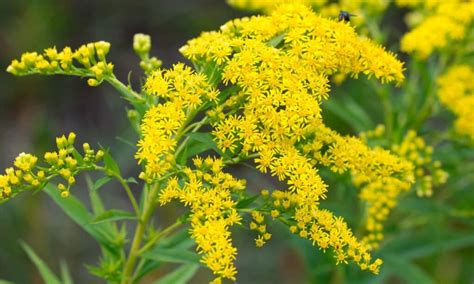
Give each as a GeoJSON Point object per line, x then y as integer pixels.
{"type": "Point", "coordinates": [456, 92]}
{"type": "Point", "coordinates": [257, 92]}
{"type": "Point", "coordinates": [443, 21]}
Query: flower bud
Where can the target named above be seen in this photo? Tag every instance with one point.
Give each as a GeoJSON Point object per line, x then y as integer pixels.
{"type": "Point", "coordinates": [99, 155]}
{"type": "Point", "coordinates": [102, 48]}
{"type": "Point", "coordinates": [86, 147]}
{"type": "Point", "coordinates": [93, 82]}
{"type": "Point", "coordinates": [71, 138]}
{"type": "Point", "coordinates": [141, 44]}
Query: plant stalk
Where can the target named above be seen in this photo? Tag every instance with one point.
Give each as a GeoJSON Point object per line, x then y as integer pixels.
{"type": "Point", "coordinates": [149, 207]}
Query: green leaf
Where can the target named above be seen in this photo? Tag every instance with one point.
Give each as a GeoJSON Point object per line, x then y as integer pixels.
{"type": "Point", "coordinates": [142, 270]}
{"type": "Point", "coordinates": [446, 244]}
{"type": "Point", "coordinates": [213, 72]}
{"type": "Point", "coordinates": [77, 156]}
{"type": "Point", "coordinates": [406, 270]}
{"type": "Point", "coordinates": [110, 164]}
{"type": "Point", "coordinates": [46, 273]}
{"type": "Point", "coordinates": [358, 112]}
{"type": "Point", "coordinates": [275, 41]}
{"type": "Point", "coordinates": [247, 201]}
{"type": "Point", "coordinates": [96, 202]}
{"type": "Point", "coordinates": [127, 142]}
{"type": "Point", "coordinates": [97, 205]}
{"type": "Point", "coordinates": [114, 215]}
{"type": "Point", "coordinates": [350, 112]}
{"type": "Point", "coordinates": [228, 92]}
{"type": "Point", "coordinates": [422, 245]}
{"type": "Point", "coordinates": [179, 276]}
{"type": "Point", "coordinates": [77, 212]}
{"type": "Point", "coordinates": [183, 156]}
{"type": "Point", "coordinates": [131, 180]}
{"type": "Point", "coordinates": [65, 275]}
{"type": "Point", "coordinates": [180, 240]}
{"type": "Point", "coordinates": [5, 282]}
{"type": "Point", "coordinates": [172, 255]}
{"type": "Point", "coordinates": [101, 182]}
{"type": "Point", "coordinates": [200, 142]}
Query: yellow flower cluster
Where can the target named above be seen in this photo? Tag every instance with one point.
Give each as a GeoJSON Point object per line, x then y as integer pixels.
{"type": "Point", "coordinates": [293, 45]}
{"type": "Point", "coordinates": [456, 92]}
{"type": "Point", "coordinates": [142, 46]}
{"type": "Point", "coordinates": [258, 225]}
{"type": "Point", "coordinates": [360, 8]}
{"type": "Point", "coordinates": [91, 58]}
{"type": "Point", "coordinates": [281, 64]}
{"type": "Point", "coordinates": [15, 181]}
{"type": "Point", "coordinates": [269, 5]}
{"type": "Point", "coordinates": [381, 176]}
{"type": "Point", "coordinates": [180, 92]}
{"type": "Point", "coordinates": [61, 163]}
{"type": "Point", "coordinates": [207, 192]}
{"type": "Point", "coordinates": [428, 172]}
{"type": "Point", "coordinates": [445, 21]}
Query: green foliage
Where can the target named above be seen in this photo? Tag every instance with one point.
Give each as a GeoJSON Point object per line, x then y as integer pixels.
{"type": "Point", "coordinates": [179, 276]}
{"type": "Point", "coordinates": [46, 273]}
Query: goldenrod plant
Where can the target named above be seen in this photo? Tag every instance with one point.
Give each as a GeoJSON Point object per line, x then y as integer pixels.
{"type": "Point", "coordinates": [264, 91]}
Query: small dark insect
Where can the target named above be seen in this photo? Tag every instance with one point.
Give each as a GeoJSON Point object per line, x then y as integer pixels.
{"type": "Point", "coordinates": [345, 16]}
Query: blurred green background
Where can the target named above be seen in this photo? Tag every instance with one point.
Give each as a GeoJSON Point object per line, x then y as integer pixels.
{"type": "Point", "coordinates": [36, 109]}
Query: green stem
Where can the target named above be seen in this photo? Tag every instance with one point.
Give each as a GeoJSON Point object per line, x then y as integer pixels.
{"type": "Point", "coordinates": [159, 235]}
{"type": "Point", "coordinates": [129, 193]}
{"type": "Point", "coordinates": [237, 160]}
{"type": "Point", "coordinates": [125, 186]}
{"type": "Point", "coordinates": [124, 90]}
{"type": "Point", "coordinates": [138, 237]}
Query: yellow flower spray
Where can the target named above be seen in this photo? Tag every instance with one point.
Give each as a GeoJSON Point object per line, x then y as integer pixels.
{"type": "Point", "coordinates": [256, 95]}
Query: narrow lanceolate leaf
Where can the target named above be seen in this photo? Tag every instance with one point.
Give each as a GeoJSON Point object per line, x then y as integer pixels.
{"type": "Point", "coordinates": [275, 41]}
{"type": "Point", "coordinates": [77, 212]}
{"type": "Point", "coordinates": [351, 113]}
{"type": "Point", "coordinates": [244, 203]}
{"type": "Point", "coordinates": [179, 276]}
{"type": "Point", "coordinates": [406, 270]}
{"type": "Point", "coordinates": [200, 142]}
{"type": "Point", "coordinates": [5, 282]}
{"type": "Point", "coordinates": [110, 164]}
{"type": "Point", "coordinates": [98, 207]}
{"type": "Point", "coordinates": [101, 182]}
{"type": "Point", "coordinates": [180, 241]}
{"type": "Point", "coordinates": [65, 275]}
{"type": "Point", "coordinates": [96, 201]}
{"type": "Point", "coordinates": [46, 273]}
{"type": "Point", "coordinates": [172, 255]}
{"type": "Point", "coordinates": [422, 245]}
{"type": "Point", "coordinates": [77, 156]}
{"type": "Point", "coordinates": [453, 242]}
{"type": "Point", "coordinates": [114, 215]}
